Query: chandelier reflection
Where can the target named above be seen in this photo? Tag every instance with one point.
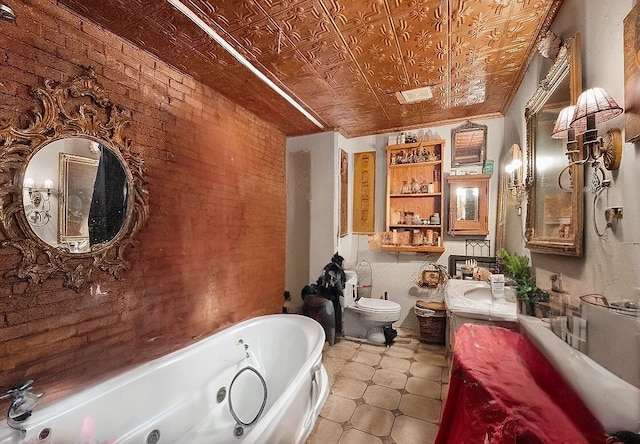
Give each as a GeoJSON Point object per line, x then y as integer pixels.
{"type": "Point", "coordinates": [38, 210]}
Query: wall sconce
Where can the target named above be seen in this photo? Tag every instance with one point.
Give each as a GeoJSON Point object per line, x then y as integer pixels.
{"type": "Point", "coordinates": [515, 182]}
{"type": "Point", "coordinates": [593, 107]}
{"type": "Point", "coordinates": [38, 212]}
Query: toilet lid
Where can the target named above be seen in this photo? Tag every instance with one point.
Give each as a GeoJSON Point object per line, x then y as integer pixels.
{"type": "Point", "coordinates": [377, 304]}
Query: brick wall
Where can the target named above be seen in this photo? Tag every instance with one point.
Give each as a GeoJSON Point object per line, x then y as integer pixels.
{"type": "Point", "coordinates": [212, 253]}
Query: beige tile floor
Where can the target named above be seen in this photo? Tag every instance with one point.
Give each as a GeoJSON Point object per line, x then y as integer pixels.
{"type": "Point", "coordinates": [383, 395]}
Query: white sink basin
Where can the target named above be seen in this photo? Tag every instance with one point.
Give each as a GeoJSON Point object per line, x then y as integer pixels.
{"type": "Point", "coordinates": [472, 299]}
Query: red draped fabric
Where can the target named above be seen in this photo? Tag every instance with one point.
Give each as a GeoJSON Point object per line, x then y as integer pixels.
{"type": "Point", "coordinates": [503, 390]}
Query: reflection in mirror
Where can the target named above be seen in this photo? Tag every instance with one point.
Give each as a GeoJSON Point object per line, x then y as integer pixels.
{"type": "Point", "coordinates": [554, 213]}
{"type": "Point", "coordinates": [512, 192]}
{"type": "Point", "coordinates": [467, 204]}
{"type": "Point", "coordinates": [553, 209]}
{"type": "Point", "coordinates": [469, 144]}
{"type": "Point", "coordinates": [81, 209]}
{"type": "Point", "coordinates": [72, 191]}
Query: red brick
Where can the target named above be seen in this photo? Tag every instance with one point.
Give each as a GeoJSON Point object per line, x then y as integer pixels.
{"type": "Point", "coordinates": [208, 256]}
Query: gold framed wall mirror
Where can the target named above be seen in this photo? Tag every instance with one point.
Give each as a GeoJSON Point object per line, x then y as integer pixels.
{"type": "Point", "coordinates": [554, 223]}
{"type": "Point", "coordinates": [73, 193]}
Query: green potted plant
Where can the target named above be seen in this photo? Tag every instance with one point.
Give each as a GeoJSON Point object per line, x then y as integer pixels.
{"type": "Point", "coordinates": [516, 267]}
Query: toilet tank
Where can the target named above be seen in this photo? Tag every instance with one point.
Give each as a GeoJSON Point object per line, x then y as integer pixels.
{"type": "Point", "coordinates": [350, 289]}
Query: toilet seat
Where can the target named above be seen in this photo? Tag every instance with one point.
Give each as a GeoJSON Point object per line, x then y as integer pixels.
{"type": "Point", "coordinates": [377, 305]}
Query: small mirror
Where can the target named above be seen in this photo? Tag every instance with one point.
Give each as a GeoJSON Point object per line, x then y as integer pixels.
{"type": "Point", "coordinates": [73, 192]}
{"type": "Point", "coordinates": [467, 203]}
{"type": "Point", "coordinates": [469, 145]}
{"type": "Point", "coordinates": [554, 212]}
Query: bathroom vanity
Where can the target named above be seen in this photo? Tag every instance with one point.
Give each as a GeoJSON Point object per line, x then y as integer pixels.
{"type": "Point", "coordinates": [470, 302]}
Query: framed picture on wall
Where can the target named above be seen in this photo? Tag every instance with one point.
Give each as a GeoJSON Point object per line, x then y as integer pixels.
{"type": "Point", "coordinates": [364, 175]}
{"type": "Point", "coordinates": [344, 173]}
{"type": "Point", "coordinates": [632, 74]}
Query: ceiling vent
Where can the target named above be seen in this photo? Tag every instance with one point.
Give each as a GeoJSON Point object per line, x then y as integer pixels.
{"type": "Point", "coordinates": [414, 95]}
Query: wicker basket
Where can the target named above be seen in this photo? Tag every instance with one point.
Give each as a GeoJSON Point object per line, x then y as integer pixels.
{"type": "Point", "coordinates": [432, 317]}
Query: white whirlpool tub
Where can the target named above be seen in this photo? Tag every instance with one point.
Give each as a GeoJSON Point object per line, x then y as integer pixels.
{"type": "Point", "coordinates": [259, 381]}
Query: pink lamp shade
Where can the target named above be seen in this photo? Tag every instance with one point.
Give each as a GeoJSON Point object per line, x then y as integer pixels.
{"type": "Point", "coordinates": [563, 123]}
{"type": "Point", "coordinates": [594, 103]}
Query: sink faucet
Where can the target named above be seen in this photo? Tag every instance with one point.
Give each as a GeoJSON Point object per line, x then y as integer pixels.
{"type": "Point", "coordinates": [24, 400]}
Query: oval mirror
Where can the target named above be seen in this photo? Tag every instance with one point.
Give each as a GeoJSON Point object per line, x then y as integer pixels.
{"type": "Point", "coordinates": [72, 191]}
{"type": "Point", "coordinates": [75, 194]}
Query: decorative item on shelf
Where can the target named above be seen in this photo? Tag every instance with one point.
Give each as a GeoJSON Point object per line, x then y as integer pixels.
{"type": "Point", "coordinates": [39, 207]}
{"type": "Point", "coordinates": [417, 238]}
{"type": "Point", "coordinates": [415, 186]}
{"type": "Point", "coordinates": [593, 107]}
{"type": "Point", "coordinates": [469, 269]}
{"type": "Point", "coordinates": [430, 276]}
{"type": "Point", "coordinates": [411, 138]}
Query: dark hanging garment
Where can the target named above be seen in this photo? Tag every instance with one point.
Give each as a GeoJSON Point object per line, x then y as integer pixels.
{"type": "Point", "coordinates": [109, 200]}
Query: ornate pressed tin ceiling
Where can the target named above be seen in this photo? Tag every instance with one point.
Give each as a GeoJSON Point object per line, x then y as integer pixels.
{"type": "Point", "coordinates": [344, 60]}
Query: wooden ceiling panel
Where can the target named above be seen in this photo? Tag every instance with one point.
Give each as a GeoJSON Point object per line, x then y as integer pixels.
{"type": "Point", "coordinates": [344, 60]}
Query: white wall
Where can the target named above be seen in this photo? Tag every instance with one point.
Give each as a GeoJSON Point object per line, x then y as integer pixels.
{"type": "Point", "coordinates": [611, 264]}
{"type": "Point", "coordinates": [311, 209]}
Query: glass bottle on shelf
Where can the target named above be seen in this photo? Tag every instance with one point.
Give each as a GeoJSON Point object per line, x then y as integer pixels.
{"type": "Point", "coordinates": [415, 186]}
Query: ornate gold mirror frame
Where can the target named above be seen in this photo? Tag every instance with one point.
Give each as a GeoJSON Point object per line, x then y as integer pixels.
{"type": "Point", "coordinates": [77, 109]}
{"type": "Point", "coordinates": [554, 223]}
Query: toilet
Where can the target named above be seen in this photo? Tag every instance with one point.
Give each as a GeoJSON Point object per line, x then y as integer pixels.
{"type": "Point", "coordinates": [364, 319]}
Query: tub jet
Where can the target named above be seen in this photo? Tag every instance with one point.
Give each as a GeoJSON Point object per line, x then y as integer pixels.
{"type": "Point", "coordinates": [222, 393]}
{"type": "Point", "coordinates": [153, 437]}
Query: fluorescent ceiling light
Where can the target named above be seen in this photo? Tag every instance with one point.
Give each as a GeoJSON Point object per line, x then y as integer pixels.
{"type": "Point", "coordinates": [414, 95]}
{"type": "Point", "coordinates": [231, 50]}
